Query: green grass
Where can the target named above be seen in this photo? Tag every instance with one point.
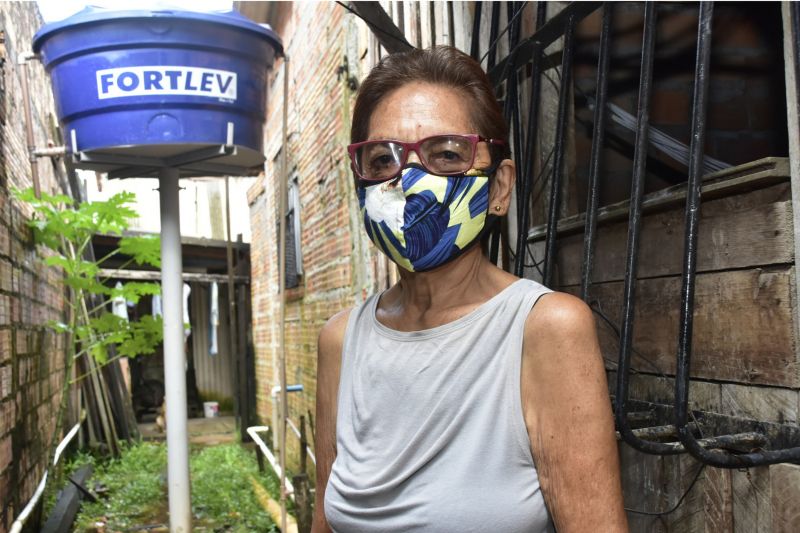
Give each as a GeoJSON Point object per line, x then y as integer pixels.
{"type": "Point", "coordinates": [223, 497]}
{"type": "Point", "coordinates": [222, 490]}
{"type": "Point", "coordinates": [135, 486]}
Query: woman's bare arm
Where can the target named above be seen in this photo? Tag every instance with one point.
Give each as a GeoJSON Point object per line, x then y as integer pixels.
{"type": "Point", "coordinates": [569, 419]}
{"type": "Point", "coordinates": [329, 359]}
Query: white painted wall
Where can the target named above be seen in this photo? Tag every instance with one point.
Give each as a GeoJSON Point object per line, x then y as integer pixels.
{"type": "Point", "coordinates": [202, 204]}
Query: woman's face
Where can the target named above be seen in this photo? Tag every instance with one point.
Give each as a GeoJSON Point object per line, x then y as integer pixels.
{"type": "Point", "coordinates": [418, 110]}
{"type": "Point", "coordinates": [420, 220]}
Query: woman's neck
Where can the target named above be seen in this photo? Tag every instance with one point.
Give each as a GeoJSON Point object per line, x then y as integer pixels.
{"type": "Point", "coordinates": [423, 300]}
{"type": "Point", "coordinates": [444, 285]}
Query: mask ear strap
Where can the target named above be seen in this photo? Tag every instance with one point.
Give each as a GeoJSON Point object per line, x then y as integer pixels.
{"type": "Point", "coordinates": [488, 171]}
{"type": "Point", "coordinates": [492, 169]}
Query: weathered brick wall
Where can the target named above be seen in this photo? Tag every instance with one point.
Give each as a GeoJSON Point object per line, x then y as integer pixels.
{"type": "Point", "coordinates": [31, 359]}
{"type": "Point", "coordinates": [321, 41]}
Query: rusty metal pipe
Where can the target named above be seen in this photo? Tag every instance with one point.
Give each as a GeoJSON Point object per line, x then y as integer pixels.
{"type": "Point", "coordinates": [26, 105]}
{"type": "Point", "coordinates": [53, 151]}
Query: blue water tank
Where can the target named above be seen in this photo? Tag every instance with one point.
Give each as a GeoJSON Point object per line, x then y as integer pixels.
{"type": "Point", "coordinates": [140, 88]}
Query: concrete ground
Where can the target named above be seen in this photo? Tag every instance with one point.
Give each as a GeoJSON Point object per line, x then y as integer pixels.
{"type": "Point", "coordinates": [202, 431]}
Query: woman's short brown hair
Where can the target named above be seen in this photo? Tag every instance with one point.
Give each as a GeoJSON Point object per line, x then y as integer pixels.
{"type": "Point", "coordinates": [440, 65]}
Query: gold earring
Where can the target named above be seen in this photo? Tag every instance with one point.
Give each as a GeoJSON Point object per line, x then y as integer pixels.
{"type": "Point", "coordinates": [497, 208]}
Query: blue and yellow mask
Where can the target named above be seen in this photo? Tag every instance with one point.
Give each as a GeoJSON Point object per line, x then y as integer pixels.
{"type": "Point", "coordinates": [420, 220]}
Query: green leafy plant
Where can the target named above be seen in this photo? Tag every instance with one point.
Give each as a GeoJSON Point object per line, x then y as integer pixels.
{"type": "Point", "coordinates": [65, 230]}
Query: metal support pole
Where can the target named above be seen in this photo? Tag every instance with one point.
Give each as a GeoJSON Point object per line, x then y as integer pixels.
{"type": "Point", "coordinates": [564, 103]}
{"type": "Point", "coordinates": [598, 134]}
{"type": "Point", "coordinates": [475, 47]}
{"type": "Point", "coordinates": [282, 288]}
{"type": "Point", "coordinates": [494, 29]}
{"type": "Point", "coordinates": [528, 180]}
{"type": "Point", "coordinates": [634, 225]}
{"type": "Point", "coordinates": [512, 109]}
{"type": "Point", "coordinates": [180, 509]}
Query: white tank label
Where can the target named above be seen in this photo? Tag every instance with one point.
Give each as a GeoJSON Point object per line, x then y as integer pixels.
{"type": "Point", "coordinates": [144, 81]}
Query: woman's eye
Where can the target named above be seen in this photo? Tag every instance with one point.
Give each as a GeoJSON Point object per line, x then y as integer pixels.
{"type": "Point", "coordinates": [447, 155]}
{"type": "Point", "coordinates": [381, 161]}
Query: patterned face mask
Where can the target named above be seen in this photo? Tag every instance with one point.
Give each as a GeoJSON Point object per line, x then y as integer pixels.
{"type": "Point", "coordinates": [421, 221]}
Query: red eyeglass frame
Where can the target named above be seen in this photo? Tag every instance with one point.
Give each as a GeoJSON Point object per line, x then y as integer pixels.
{"type": "Point", "coordinates": [408, 147]}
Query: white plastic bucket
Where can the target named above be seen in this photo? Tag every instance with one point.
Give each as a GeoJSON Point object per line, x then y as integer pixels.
{"type": "Point", "coordinates": [211, 409]}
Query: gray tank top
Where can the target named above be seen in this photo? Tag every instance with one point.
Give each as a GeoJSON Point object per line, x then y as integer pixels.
{"type": "Point", "coordinates": [430, 433]}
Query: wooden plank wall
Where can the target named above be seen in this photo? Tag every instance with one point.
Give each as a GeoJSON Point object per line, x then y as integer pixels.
{"type": "Point", "coordinates": [745, 360]}
{"type": "Point", "coordinates": [745, 354]}
{"type": "Point", "coordinates": [745, 347]}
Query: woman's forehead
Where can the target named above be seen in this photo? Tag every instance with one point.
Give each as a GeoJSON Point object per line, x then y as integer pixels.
{"type": "Point", "coordinates": [417, 110]}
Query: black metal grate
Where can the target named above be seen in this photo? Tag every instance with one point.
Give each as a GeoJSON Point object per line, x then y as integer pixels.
{"type": "Point", "coordinates": [507, 77]}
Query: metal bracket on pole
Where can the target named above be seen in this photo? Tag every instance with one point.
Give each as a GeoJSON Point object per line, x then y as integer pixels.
{"type": "Point", "coordinates": [199, 161]}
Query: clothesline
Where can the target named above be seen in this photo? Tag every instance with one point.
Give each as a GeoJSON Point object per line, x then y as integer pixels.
{"type": "Point", "coordinates": [150, 275]}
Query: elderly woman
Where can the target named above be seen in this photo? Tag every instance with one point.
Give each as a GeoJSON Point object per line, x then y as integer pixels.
{"type": "Point", "coordinates": [462, 398]}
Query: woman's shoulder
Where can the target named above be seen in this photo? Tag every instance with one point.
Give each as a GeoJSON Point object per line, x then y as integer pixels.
{"type": "Point", "coordinates": [331, 336]}
{"type": "Point", "coordinates": [559, 319]}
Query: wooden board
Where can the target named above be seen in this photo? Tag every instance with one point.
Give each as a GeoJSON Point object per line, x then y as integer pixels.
{"type": "Point", "coordinates": [703, 395]}
{"type": "Point", "coordinates": [717, 500]}
{"type": "Point", "coordinates": [752, 500]}
{"type": "Point", "coordinates": [767, 404]}
{"type": "Point", "coordinates": [463, 14]}
{"type": "Point", "coordinates": [747, 177]}
{"type": "Point", "coordinates": [785, 482]}
{"type": "Point", "coordinates": [758, 236]}
{"type": "Point", "coordinates": [655, 484]}
{"type": "Point", "coordinates": [743, 329]}
{"type": "Point", "coordinates": [69, 501]}
{"type": "Point", "coordinates": [643, 484]}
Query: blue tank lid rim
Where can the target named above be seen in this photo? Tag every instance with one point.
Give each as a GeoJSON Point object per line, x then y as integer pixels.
{"type": "Point", "coordinates": [91, 15]}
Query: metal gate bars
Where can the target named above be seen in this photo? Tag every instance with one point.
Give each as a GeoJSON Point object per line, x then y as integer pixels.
{"type": "Point", "coordinates": [528, 52]}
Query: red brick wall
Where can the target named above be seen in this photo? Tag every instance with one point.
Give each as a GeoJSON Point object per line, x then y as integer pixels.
{"type": "Point", "coordinates": [31, 358]}
{"type": "Point", "coordinates": [338, 262]}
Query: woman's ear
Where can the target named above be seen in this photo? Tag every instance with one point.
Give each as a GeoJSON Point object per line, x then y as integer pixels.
{"type": "Point", "coordinates": [501, 186]}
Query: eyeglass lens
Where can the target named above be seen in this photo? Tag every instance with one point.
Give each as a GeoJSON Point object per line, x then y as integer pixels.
{"type": "Point", "coordinates": [444, 154]}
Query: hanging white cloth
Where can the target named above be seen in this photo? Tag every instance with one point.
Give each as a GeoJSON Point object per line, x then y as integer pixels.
{"type": "Point", "coordinates": [214, 320]}
{"type": "Point", "coordinates": [156, 306]}
{"type": "Point", "coordinates": [118, 305]}
{"type": "Point", "coordinates": [187, 326]}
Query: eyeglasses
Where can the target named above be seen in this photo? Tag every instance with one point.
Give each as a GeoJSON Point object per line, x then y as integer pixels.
{"type": "Point", "coordinates": [443, 155]}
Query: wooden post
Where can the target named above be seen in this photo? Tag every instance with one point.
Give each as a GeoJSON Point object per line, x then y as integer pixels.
{"type": "Point", "coordinates": [244, 367]}
{"type": "Point", "coordinates": [793, 124]}
{"type": "Point", "coordinates": [302, 494]}
{"type": "Point", "coordinates": [232, 332]}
